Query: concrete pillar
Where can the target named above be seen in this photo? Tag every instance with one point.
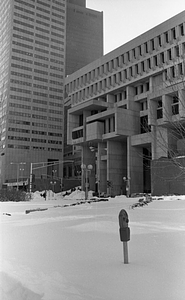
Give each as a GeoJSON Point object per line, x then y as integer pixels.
{"type": "Point", "coordinates": [112, 124]}
{"type": "Point", "coordinates": [121, 61]}
{"type": "Point", "coordinates": [160, 140]}
{"type": "Point", "coordinates": [116, 166]}
{"type": "Point", "coordinates": [152, 111]}
{"type": "Point", "coordinates": [134, 168]}
{"type": "Point", "coordinates": [167, 108]}
{"type": "Point", "coordinates": [181, 96]}
{"type": "Point", "coordinates": [106, 126]}
{"type": "Point", "coordinates": [105, 68]}
{"type": "Point", "coordinates": [102, 167]}
{"type": "Point", "coordinates": [110, 98]}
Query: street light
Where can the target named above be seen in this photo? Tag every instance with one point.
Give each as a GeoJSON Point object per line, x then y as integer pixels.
{"type": "Point", "coordinates": [86, 169]}
{"type": "Point", "coordinates": [127, 181]}
{"type": "Point", "coordinates": [18, 166]}
{"type": "Point", "coordinates": [53, 185]}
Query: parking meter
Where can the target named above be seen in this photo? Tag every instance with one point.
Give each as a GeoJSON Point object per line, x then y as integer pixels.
{"type": "Point", "coordinates": [124, 230]}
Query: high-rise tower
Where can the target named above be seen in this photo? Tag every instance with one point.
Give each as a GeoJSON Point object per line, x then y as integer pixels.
{"type": "Point", "coordinates": [32, 53]}
{"type": "Point", "coordinates": [84, 35]}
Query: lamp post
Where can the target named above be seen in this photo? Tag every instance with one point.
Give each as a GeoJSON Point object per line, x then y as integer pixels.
{"type": "Point", "coordinates": [127, 181]}
{"type": "Point", "coordinates": [18, 166]}
{"type": "Point", "coordinates": [86, 169]}
{"type": "Point", "coordinates": [54, 173]}
{"type": "Point", "coordinates": [53, 185]}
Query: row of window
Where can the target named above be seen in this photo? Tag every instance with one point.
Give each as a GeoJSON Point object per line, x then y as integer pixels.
{"type": "Point", "coordinates": [38, 42]}
{"type": "Point", "coordinates": [14, 129]}
{"type": "Point", "coordinates": [43, 102]}
{"type": "Point", "coordinates": [50, 6]}
{"type": "Point", "coordinates": [27, 139]}
{"type": "Point", "coordinates": [35, 116]}
{"type": "Point", "coordinates": [25, 147]}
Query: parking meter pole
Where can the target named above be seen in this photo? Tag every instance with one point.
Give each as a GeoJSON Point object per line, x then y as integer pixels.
{"type": "Point", "coordinates": [125, 252]}
{"type": "Point", "coordinates": [124, 231]}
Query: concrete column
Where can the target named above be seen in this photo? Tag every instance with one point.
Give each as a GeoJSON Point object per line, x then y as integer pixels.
{"type": "Point", "coordinates": [162, 40]}
{"type": "Point", "coordinates": [96, 72]}
{"type": "Point", "coordinates": [152, 111]}
{"type": "Point", "coordinates": [113, 81]}
{"type": "Point", "coordinates": [156, 43]}
{"type": "Point", "coordinates": [107, 126]}
{"type": "Point", "coordinates": [161, 142]}
{"type": "Point", "coordinates": [105, 68]}
{"type": "Point", "coordinates": [115, 63]}
{"type": "Point", "coordinates": [134, 168]}
{"type": "Point", "coordinates": [103, 84]}
{"type": "Point", "coordinates": [142, 49]}
{"type": "Point", "coordinates": [121, 60]}
{"type": "Point", "coordinates": [112, 124]}
{"type": "Point", "coordinates": [167, 108]}
{"type": "Point", "coordinates": [181, 96]}
{"type": "Point", "coordinates": [110, 98]}
{"type": "Point", "coordinates": [102, 167]}
{"type": "Point", "coordinates": [116, 166]}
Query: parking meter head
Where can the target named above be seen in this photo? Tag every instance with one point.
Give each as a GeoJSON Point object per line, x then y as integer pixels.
{"type": "Point", "coordinates": [124, 234]}
{"type": "Point", "coordinates": [123, 219]}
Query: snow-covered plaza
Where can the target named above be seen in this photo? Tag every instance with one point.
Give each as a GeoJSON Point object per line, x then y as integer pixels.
{"type": "Point", "coordinates": [74, 252]}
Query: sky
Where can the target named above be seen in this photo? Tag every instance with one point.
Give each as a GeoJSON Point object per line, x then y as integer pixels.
{"type": "Point", "coordinates": [126, 19]}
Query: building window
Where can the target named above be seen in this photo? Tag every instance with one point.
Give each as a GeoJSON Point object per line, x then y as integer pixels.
{"type": "Point", "coordinates": [142, 66]}
{"type": "Point", "coordinates": [169, 53]}
{"type": "Point", "coordinates": [155, 60]}
{"type": "Point", "coordinates": [173, 33]}
{"type": "Point", "coordinates": [146, 47]}
{"type": "Point", "coordinates": [175, 106]}
{"type": "Point", "coordinates": [166, 37]}
{"type": "Point", "coordinates": [180, 69]}
{"type": "Point", "coordinates": [159, 41]}
{"type": "Point", "coordinates": [149, 63]}
{"type": "Point", "coordinates": [140, 52]}
{"type": "Point", "coordinates": [81, 120]}
{"type": "Point", "coordinates": [144, 127]}
{"type": "Point", "coordinates": [181, 29]}
{"type": "Point", "coordinates": [144, 105]}
{"type": "Point", "coordinates": [136, 69]}
{"type": "Point", "coordinates": [77, 134]}
{"type": "Point", "coordinates": [159, 110]}
{"type": "Point", "coordinates": [172, 72]}
{"type": "Point", "coordinates": [162, 57]}
{"type": "Point", "coordinates": [152, 44]}
{"type": "Point", "coordinates": [177, 52]}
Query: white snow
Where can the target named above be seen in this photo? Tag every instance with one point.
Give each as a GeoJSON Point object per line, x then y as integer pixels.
{"type": "Point", "coordinates": [75, 253]}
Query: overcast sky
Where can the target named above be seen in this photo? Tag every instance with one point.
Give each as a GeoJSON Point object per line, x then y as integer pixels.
{"type": "Point", "coordinates": [126, 19]}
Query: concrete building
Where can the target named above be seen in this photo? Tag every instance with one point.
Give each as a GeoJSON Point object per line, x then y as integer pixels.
{"type": "Point", "coordinates": [124, 106]}
{"type": "Point", "coordinates": [32, 69]}
{"type": "Point", "coordinates": [84, 44]}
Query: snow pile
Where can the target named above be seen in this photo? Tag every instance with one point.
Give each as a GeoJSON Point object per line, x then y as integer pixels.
{"type": "Point", "coordinates": [75, 253]}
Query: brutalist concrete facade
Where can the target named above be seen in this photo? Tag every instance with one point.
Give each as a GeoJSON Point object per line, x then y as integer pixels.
{"type": "Point", "coordinates": [124, 106]}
